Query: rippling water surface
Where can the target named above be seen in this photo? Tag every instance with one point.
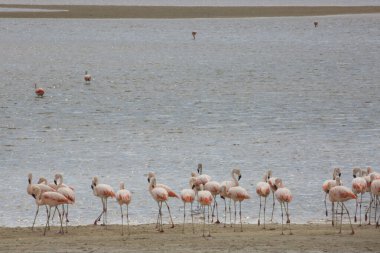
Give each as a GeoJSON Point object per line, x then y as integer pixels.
{"type": "Point", "coordinates": [261, 93]}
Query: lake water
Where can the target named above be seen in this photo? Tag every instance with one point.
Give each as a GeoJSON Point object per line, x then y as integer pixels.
{"type": "Point", "coordinates": [254, 93]}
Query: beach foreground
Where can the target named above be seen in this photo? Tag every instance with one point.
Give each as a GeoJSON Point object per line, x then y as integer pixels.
{"type": "Point", "coordinates": [97, 11]}
{"type": "Point", "coordinates": [144, 238]}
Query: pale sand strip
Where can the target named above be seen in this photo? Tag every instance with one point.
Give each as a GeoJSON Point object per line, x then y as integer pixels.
{"type": "Point", "coordinates": [172, 12]}
{"type": "Point", "coordinates": [144, 238]}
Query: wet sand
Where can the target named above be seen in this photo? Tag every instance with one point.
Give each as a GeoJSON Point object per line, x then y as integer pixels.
{"type": "Point", "coordinates": [144, 238]}
{"type": "Point", "coordinates": [172, 12]}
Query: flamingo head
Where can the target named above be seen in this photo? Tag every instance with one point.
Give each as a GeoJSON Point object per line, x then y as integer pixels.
{"type": "Point", "coordinates": [355, 172]}
{"type": "Point", "coordinates": [41, 180]}
{"type": "Point", "coordinates": [199, 169]}
{"type": "Point", "coordinates": [121, 186]}
{"type": "Point", "coordinates": [151, 175]}
{"type": "Point", "coordinates": [29, 178]}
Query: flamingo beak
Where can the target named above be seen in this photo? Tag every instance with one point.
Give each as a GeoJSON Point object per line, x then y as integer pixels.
{"type": "Point", "coordinates": [193, 186]}
{"type": "Point", "coordinates": [92, 187]}
{"type": "Point", "coordinates": [148, 180]}
{"type": "Point", "coordinates": [239, 177]}
{"type": "Point", "coordinates": [33, 195]}
{"type": "Point", "coordinates": [55, 181]}
{"type": "Point", "coordinates": [354, 176]}
{"type": "Point", "coordinates": [29, 181]}
{"type": "Point", "coordinates": [340, 174]}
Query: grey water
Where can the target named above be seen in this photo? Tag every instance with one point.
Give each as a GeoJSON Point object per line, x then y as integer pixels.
{"type": "Point", "coordinates": [254, 93]}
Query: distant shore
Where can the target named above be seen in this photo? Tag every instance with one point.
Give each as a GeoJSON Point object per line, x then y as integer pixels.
{"type": "Point", "coordinates": [175, 12]}
{"type": "Point", "coordinates": [144, 238]}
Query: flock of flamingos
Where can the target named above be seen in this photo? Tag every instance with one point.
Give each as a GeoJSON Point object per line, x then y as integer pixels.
{"type": "Point", "coordinates": [203, 190]}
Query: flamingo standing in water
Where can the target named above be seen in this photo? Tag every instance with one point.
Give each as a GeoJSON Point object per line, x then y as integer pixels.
{"type": "Point", "coordinates": [188, 196]}
{"type": "Point", "coordinates": [65, 191]}
{"type": "Point", "coordinates": [214, 188]}
{"type": "Point", "coordinates": [238, 194]}
{"type": "Point", "coordinates": [123, 197]}
{"type": "Point", "coordinates": [328, 184]}
{"type": "Point", "coordinates": [341, 194]}
{"type": "Point", "coordinates": [103, 191]}
{"type": "Point", "coordinates": [224, 187]}
{"type": "Point", "coordinates": [205, 199]}
{"type": "Point", "coordinates": [263, 190]}
{"type": "Point", "coordinates": [39, 91]}
{"type": "Point", "coordinates": [194, 33]}
{"type": "Point", "coordinates": [50, 199]}
{"type": "Point", "coordinates": [160, 195]}
{"type": "Point", "coordinates": [370, 172]}
{"type": "Point", "coordinates": [271, 182]}
{"type": "Point", "coordinates": [43, 187]}
{"type": "Point", "coordinates": [170, 192]}
{"type": "Point", "coordinates": [359, 186]}
{"type": "Point", "coordinates": [87, 77]}
{"type": "Point", "coordinates": [284, 196]}
{"type": "Point", "coordinates": [375, 190]}
{"type": "Point", "coordinates": [315, 24]}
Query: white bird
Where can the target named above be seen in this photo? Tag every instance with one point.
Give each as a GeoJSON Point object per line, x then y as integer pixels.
{"type": "Point", "coordinates": [224, 192]}
{"type": "Point", "coordinates": [123, 197]}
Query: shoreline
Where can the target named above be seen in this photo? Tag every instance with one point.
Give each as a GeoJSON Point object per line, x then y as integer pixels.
{"type": "Point", "coordinates": [144, 238]}
{"type": "Point", "coordinates": [176, 12]}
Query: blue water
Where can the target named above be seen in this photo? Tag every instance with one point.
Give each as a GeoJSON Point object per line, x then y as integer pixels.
{"type": "Point", "coordinates": [258, 94]}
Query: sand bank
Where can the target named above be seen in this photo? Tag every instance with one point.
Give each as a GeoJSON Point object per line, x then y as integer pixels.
{"type": "Point", "coordinates": [98, 12]}
{"type": "Point", "coordinates": [144, 238]}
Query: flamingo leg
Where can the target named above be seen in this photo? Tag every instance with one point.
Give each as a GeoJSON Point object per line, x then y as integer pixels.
{"type": "Point", "coordinates": [341, 219]}
{"type": "Point", "coordinates": [332, 213]}
{"type": "Point", "coordinates": [170, 215]}
{"type": "Point", "coordinates": [128, 219]}
{"type": "Point", "coordinates": [360, 210]}
{"type": "Point", "coordinates": [192, 217]}
{"type": "Point", "coordinates": [208, 213]}
{"type": "Point", "coordinates": [282, 220]}
{"type": "Point", "coordinates": [326, 204]}
{"type": "Point", "coordinates": [55, 209]}
{"type": "Point", "coordinates": [265, 204]}
{"type": "Point", "coordinates": [204, 221]}
{"type": "Point", "coordinates": [273, 206]}
{"type": "Point", "coordinates": [122, 220]}
{"type": "Point", "coordinates": [35, 216]}
{"type": "Point", "coordinates": [160, 213]}
{"type": "Point", "coordinates": [100, 216]}
{"type": "Point", "coordinates": [184, 217]}
{"type": "Point", "coordinates": [377, 201]}
{"type": "Point", "coordinates": [230, 212]}
{"type": "Point", "coordinates": [356, 209]}
{"type": "Point", "coordinates": [241, 223]}
{"type": "Point", "coordinates": [287, 214]}
{"type": "Point", "coordinates": [158, 217]}
{"type": "Point", "coordinates": [225, 212]}
{"type": "Point", "coordinates": [61, 220]}
{"type": "Point", "coordinates": [47, 220]}
{"type": "Point", "coordinates": [258, 222]}
{"type": "Point", "coordinates": [235, 214]}
{"type": "Point", "coordinates": [217, 214]}
{"type": "Point", "coordinates": [349, 218]}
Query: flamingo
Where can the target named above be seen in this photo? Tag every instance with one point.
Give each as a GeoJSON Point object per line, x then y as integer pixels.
{"type": "Point", "coordinates": [238, 193]}
{"type": "Point", "coordinates": [375, 190]}
{"type": "Point", "coordinates": [341, 194]}
{"type": "Point", "coordinates": [263, 190]}
{"type": "Point", "coordinates": [271, 182]}
{"type": "Point", "coordinates": [44, 181]}
{"type": "Point", "coordinates": [359, 186]}
{"type": "Point", "coordinates": [171, 194]}
{"type": "Point", "coordinates": [160, 195]}
{"type": "Point", "coordinates": [123, 197]}
{"type": "Point", "coordinates": [205, 199]}
{"type": "Point", "coordinates": [87, 77]}
{"type": "Point", "coordinates": [284, 196]}
{"type": "Point", "coordinates": [315, 24]}
{"type": "Point", "coordinates": [328, 184]}
{"type": "Point", "coordinates": [43, 187]}
{"type": "Point", "coordinates": [188, 196]}
{"type": "Point", "coordinates": [65, 191]}
{"type": "Point", "coordinates": [224, 191]}
{"type": "Point", "coordinates": [194, 33]}
{"type": "Point", "coordinates": [103, 191]}
{"type": "Point", "coordinates": [50, 199]}
{"type": "Point", "coordinates": [214, 188]}
{"type": "Point", "coordinates": [39, 91]}
{"type": "Point", "coordinates": [370, 172]}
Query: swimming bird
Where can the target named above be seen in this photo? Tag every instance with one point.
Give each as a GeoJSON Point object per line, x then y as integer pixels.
{"type": "Point", "coordinates": [284, 196]}
{"type": "Point", "coordinates": [87, 77]}
{"type": "Point", "coordinates": [188, 196]}
{"type": "Point", "coordinates": [341, 194]}
{"type": "Point", "coordinates": [51, 199]}
{"type": "Point", "coordinates": [238, 194]}
{"type": "Point", "coordinates": [103, 191]}
{"type": "Point", "coordinates": [263, 191]}
{"type": "Point", "coordinates": [123, 197]}
{"type": "Point", "coordinates": [205, 199]}
{"type": "Point", "coordinates": [39, 91]}
{"type": "Point", "coordinates": [224, 192]}
{"type": "Point", "coordinates": [160, 195]}
{"type": "Point", "coordinates": [170, 192]}
{"type": "Point", "coordinates": [359, 186]}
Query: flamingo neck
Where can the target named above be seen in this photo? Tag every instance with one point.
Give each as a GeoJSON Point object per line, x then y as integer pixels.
{"type": "Point", "coordinates": [234, 179]}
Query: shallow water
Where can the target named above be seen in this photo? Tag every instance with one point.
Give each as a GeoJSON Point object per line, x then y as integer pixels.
{"type": "Point", "coordinates": [261, 93]}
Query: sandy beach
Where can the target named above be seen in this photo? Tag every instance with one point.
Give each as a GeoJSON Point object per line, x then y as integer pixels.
{"type": "Point", "coordinates": [172, 12]}
{"type": "Point", "coordinates": [144, 238]}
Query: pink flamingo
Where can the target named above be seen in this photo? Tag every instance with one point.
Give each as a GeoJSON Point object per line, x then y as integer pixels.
{"type": "Point", "coordinates": [188, 196]}
{"type": "Point", "coordinates": [39, 91]}
{"type": "Point", "coordinates": [160, 195]}
{"type": "Point", "coordinates": [328, 184]}
{"type": "Point", "coordinates": [65, 191]}
{"type": "Point", "coordinates": [87, 77]}
{"type": "Point", "coordinates": [224, 192]}
{"type": "Point", "coordinates": [375, 176]}
{"type": "Point", "coordinates": [203, 177]}
{"type": "Point", "coordinates": [375, 190]}
{"type": "Point", "coordinates": [263, 190]}
{"type": "Point", "coordinates": [205, 199]}
{"type": "Point", "coordinates": [103, 191]}
{"type": "Point", "coordinates": [171, 194]}
{"type": "Point", "coordinates": [238, 194]}
{"type": "Point", "coordinates": [284, 196]}
{"type": "Point", "coordinates": [359, 186]}
{"type": "Point", "coordinates": [50, 199]}
{"type": "Point", "coordinates": [214, 188]}
{"type": "Point", "coordinates": [43, 187]}
{"type": "Point", "coordinates": [341, 194]}
{"type": "Point", "coordinates": [123, 197]}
